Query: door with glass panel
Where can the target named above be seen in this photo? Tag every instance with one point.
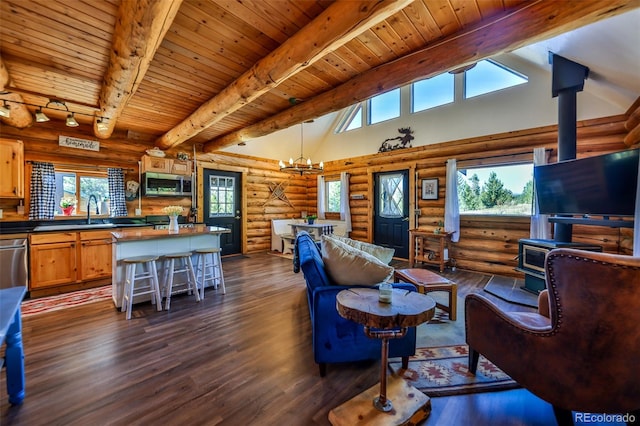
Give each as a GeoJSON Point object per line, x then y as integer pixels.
{"type": "Point", "coordinates": [391, 211]}
{"type": "Point", "coordinates": [222, 204]}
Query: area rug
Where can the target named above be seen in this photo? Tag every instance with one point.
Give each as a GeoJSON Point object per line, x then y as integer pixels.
{"type": "Point", "coordinates": [442, 371]}
{"type": "Point", "coordinates": [63, 301]}
{"type": "Point", "coordinates": [509, 289]}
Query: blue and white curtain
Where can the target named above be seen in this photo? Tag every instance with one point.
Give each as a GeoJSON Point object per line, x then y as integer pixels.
{"type": "Point", "coordinates": [345, 210]}
{"type": "Point", "coordinates": [117, 192]}
{"type": "Point", "coordinates": [540, 226]}
{"type": "Point", "coordinates": [451, 207]}
{"type": "Point", "coordinates": [42, 203]}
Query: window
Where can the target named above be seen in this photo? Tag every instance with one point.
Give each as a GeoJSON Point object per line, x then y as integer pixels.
{"type": "Point", "coordinates": [496, 190]}
{"type": "Point", "coordinates": [332, 200]}
{"type": "Point", "coordinates": [80, 186]}
{"type": "Point", "coordinates": [488, 76]}
{"type": "Point", "coordinates": [352, 119]}
{"type": "Point", "coordinates": [221, 196]}
{"type": "Point", "coordinates": [432, 92]}
{"type": "Point", "coordinates": [391, 199]}
{"type": "Point", "coordinates": [384, 107]}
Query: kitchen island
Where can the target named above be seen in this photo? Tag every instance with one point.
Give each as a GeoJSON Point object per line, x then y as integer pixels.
{"type": "Point", "coordinates": [157, 242]}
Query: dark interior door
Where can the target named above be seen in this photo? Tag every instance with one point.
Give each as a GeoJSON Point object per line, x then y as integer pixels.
{"type": "Point", "coordinates": [391, 211]}
{"type": "Point", "coordinates": [222, 204]}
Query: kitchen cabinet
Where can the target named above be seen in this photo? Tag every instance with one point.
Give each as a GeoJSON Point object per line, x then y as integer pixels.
{"type": "Point", "coordinates": [60, 259]}
{"type": "Point", "coordinates": [12, 170]}
{"type": "Point", "coordinates": [95, 255]}
{"type": "Point", "coordinates": [52, 259]}
{"type": "Point", "coordinates": [156, 164]}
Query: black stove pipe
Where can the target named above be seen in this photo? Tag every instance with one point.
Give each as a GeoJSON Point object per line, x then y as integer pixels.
{"type": "Point", "coordinates": [567, 80]}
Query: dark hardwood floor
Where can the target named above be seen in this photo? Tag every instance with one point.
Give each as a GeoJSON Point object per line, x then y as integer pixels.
{"type": "Point", "coordinates": [243, 358]}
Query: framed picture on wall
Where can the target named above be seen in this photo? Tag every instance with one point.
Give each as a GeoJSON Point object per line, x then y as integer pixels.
{"type": "Point", "coordinates": [430, 189]}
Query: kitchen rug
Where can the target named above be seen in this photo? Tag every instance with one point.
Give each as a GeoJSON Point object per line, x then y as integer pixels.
{"type": "Point", "coordinates": [63, 301]}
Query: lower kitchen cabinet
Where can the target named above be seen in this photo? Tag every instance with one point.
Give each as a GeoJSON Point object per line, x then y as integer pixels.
{"type": "Point", "coordinates": [69, 259]}
{"type": "Point", "coordinates": [53, 259]}
{"type": "Point", "coordinates": [95, 255]}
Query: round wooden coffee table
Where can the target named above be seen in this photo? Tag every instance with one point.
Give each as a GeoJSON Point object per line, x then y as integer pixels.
{"type": "Point", "coordinates": [390, 320]}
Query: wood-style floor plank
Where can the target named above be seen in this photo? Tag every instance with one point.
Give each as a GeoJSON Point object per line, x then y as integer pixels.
{"type": "Point", "coordinates": [242, 358]}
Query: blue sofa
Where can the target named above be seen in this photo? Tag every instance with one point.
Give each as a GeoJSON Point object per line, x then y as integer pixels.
{"type": "Point", "coordinates": [336, 339]}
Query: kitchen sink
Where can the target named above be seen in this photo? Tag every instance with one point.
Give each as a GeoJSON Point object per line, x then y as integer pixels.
{"type": "Point", "coordinates": [76, 227]}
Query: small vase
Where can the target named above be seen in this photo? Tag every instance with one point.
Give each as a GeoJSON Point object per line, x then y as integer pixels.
{"type": "Point", "coordinates": [67, 211]}
{"type": "Point", "coordinates": [173, 224]}
{"type": "Point", "coordinates": [310, 221]}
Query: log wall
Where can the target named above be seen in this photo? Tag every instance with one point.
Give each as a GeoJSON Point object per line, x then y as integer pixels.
{"type": "Point", "coordinates": [487, 243]}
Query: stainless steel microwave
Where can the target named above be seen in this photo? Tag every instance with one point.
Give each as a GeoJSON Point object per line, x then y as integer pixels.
{"type": "Point", "coordinates": [166, 185]}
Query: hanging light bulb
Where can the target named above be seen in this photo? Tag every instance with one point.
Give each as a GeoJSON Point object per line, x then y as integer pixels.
{"type": "Point", "coordinates": [71, 120]}
{"type": "Point", "coordinates": [41, 117]}
{"type": "Point", "coordinates": [5, 111]}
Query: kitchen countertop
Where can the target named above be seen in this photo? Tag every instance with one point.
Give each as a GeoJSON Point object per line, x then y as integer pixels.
{"type": "Point", "coordinates": [150, 234]}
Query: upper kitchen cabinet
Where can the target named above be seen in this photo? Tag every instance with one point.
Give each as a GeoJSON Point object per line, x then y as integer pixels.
{"type": "Point", "coordinates": [12, 170]}
{"type": "Point", "coordinates": [166, 165]}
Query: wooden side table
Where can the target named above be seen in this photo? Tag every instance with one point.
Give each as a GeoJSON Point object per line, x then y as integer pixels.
{"type": "Point", "coordinates": [419, 242]}
{"type": "Point", "coordinates": [384, 321]}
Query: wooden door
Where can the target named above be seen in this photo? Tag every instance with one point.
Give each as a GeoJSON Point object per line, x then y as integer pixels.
{"type": "Point", "coordinates": [391, 211]}
{"type": "Point", "coordinates": [222, 207]}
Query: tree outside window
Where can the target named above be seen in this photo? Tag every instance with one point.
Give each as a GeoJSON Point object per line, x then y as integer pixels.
{"type": "Point", "coordinates": [81, 185]}
{"type": "Point", "coordinates": [502, 190]}
{"type": "Point", "coordinates": [332, 200]}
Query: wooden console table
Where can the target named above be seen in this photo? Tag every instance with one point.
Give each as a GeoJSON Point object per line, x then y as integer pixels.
{"type": "Point", "coordinates": [384, 321]}
{"type": "Point", "coordinates": [421, 240]}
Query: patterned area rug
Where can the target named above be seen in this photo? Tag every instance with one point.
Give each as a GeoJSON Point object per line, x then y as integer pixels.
{"type": "Point", "coordinates": [442, 371]}
{"type": "Point", "coordinates": [63, 301]}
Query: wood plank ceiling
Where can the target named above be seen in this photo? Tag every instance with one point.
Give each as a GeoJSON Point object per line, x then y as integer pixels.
{"type": "Point", "coordinates": [216, 72]}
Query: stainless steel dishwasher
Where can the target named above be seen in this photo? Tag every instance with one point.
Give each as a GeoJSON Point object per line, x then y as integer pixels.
{"type": "Point", "coordinates": [13, 260]}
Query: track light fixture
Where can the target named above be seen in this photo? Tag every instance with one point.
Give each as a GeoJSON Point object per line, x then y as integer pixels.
{"type": "Point", "coordinates": [55, 105]}
{"type": "Point", "coordinates": [5, 111]}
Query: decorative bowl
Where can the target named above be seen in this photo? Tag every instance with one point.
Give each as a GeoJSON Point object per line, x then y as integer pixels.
{"type": "Point", "coordinates": [156, 152]}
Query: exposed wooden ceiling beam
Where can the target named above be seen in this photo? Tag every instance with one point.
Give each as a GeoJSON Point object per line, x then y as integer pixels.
{"type": "Point", "coordinates": [533, 22]}
{"type": "Point", "coordinates": [139, 31]}
{"type": "Point", "coordinates": [20, 116]}
{"type": "Point", "coordinates": [335, 26]}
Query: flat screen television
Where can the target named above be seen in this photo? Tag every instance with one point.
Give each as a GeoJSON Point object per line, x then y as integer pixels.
{"type": "Point", "coordinates": [603, 185]}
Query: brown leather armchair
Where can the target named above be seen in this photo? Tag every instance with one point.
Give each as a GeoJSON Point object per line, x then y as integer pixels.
{"type": "Point", "coordinates": [585, 355]}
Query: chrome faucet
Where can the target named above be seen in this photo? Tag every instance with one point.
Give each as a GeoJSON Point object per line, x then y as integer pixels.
{"type": "Point", "coordinates": [89, 208]}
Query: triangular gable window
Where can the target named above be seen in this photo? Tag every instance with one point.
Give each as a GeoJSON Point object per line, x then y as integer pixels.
{"type": "Point", "coordinates": [489, 76]}
{"type": "Point", "coordinates": [352, 119]}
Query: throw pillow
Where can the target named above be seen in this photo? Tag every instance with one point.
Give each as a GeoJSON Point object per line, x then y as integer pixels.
{"type": "Point", "coordinates": [384, 254]}
{"type": "Point", "coordinates": [348, 265]}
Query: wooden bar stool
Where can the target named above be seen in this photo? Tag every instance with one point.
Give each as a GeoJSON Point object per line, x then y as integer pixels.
{"type": "Point", "coordinates": [185, 266]}
{"type": "Point", "coordinates": [209, 268]}
{"type": "Point", "coordinates": [132, 279]}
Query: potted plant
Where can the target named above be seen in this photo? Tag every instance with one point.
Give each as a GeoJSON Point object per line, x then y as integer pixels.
{"type": "Point", "coordinates": [310, 218]}
{"type": "Point", "coordinates": [68, 204]}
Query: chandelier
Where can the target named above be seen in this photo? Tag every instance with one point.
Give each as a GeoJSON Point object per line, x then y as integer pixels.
{"type": "Point", "coordinates": [301, 165]}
